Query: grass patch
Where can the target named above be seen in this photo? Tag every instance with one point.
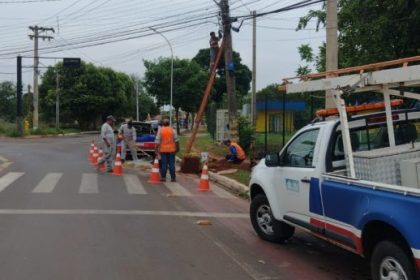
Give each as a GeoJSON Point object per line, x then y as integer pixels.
{"type": "Point", "coordinates": [70, 130]}
{"type": "Point", "coordinates": [8, 129]}
{"type": "Point", "coordinates": [242, 176]}
{"type": "Point", "coordinates": [202, 143]}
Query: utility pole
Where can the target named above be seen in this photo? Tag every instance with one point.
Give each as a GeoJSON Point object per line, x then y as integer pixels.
{"type": "Point", "coordinates": [254, 70]}
{"type": "Point", "coordinates": [57, 101]}
{"type": "Point", "coordinates": [37, 30]}
{"type": "Point", "coordinates": [229, 70]}
{"type": "Point", "coordinates": [19, 113]}
{"type": "Point", "coordinates": [332, 47]}
{"type": "Point", "coordinates": [137, 100]}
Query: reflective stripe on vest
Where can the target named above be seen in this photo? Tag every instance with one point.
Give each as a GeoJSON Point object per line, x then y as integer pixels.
{"type": "Point", "coordinates": [167, 142]}
{"type": "Point", "coordinates": [240, 154]}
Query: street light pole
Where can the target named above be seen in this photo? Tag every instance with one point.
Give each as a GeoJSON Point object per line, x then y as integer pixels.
{"type": "Point", "coordinates": [172, 70]}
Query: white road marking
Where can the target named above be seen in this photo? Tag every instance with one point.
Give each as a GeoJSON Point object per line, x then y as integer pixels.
{"type": "Point", "coordinates": [89, 183]}
{"type": "Point", "coordinates": [48, 183]}
{"type": "Point", "coordinates": [122, 212]}
{"type": "Point", "coordinates": [133, 184]}
{"type": "Point", "coordinates": [8, 179]}
{"type": "Point", "coordinates": [177, 189]}
{"type": "Point", "coordinates": [6, 163]}
{"type": "Point", "coordinates": [218, 191]}
{"type": "Point", "coordinates": [221, 192]}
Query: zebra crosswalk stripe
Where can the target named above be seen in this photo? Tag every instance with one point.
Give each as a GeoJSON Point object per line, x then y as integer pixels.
{"type": "Point", "coordinates": [48, 183]}
{"type": "Point", "coordinates": [177, 189]}
{"type": "Point", "coordinates": [133, 184]}
{"type": "Point", "coordinates": [8, 179]}
{"type": "Point", "coordinates": [89, 183]}
{"type": "Point", "coordinates": [221, 192]}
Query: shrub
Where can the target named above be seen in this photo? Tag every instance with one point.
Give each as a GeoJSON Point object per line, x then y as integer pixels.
{"type": "Point", "coordinates": [246, 133]}
{"type": "Point", "coordinates": [12, 132]}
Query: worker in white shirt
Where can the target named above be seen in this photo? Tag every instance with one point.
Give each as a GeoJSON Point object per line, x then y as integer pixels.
{"type": "Point", "coordinates": [128, 132]}
{"type": "Point", "coordinates": [107, 135]}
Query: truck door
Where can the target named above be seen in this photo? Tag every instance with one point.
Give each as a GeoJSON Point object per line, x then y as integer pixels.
{"type": "Point", "coordinates": [298, 161]}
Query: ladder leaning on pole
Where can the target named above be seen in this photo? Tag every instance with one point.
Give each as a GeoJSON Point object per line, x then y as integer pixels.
{"type": "Point", "coordinates": [205, 99]}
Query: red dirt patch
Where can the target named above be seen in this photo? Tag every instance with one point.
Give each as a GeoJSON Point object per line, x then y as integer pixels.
{"type": "Point", "coordinates": [216, 165]}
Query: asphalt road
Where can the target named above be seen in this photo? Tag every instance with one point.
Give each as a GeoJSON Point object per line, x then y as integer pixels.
{"type": "Point", "coordinates": [59, 219]}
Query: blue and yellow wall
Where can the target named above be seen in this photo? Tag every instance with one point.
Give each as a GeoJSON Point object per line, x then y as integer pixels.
{"type": "Point", "coordinates": [275, 115]}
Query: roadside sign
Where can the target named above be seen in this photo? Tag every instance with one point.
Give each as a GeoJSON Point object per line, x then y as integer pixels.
{"type": "Point", "coordinates": [71, 62]}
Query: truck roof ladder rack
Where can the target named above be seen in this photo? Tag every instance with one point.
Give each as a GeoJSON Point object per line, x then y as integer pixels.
{"type": "Point", "coordinates": [388, 78]}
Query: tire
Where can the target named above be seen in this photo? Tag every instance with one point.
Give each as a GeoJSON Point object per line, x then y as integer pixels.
{"type": "Point", "coordinates": [391, 261]}
{"type": "Point", "coordinates": [264, 223]}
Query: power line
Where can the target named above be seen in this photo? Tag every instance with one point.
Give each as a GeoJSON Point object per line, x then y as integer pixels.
{"type": "Point", "coordinates": [295, 6]}
{"type": "Point", "coordinates": [27, 1]}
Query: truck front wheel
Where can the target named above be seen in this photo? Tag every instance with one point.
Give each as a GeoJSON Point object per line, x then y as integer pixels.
{"type": "Point", "coordinates": [390, 261]}
{"type": "Point", "coordinates": [264, 223]}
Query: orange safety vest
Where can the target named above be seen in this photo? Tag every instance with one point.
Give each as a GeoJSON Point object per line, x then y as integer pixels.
{"type": "Point", "coordinates": [167, 140]}
{"type": "Point", "coordinates": [240, 154]}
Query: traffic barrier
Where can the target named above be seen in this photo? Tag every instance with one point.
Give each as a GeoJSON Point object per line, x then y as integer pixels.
{"type": "Point", "coordinates": [154, 176]}
{"type": "Point", "coordinates": [100, 157]}
{"type": "Point", "coordinates": [204, 185]}
{"type": "Point", "coordinates": [95, 156]}
{"type": "Point", "coordinates": [118, 169]}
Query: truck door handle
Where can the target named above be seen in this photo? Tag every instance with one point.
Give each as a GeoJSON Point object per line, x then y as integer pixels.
{"type": "Point", "coordinates": [305, 181]}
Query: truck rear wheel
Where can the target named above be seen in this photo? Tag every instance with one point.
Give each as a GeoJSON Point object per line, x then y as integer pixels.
{"type": "Point", "coordinates": [264, 223]}
{"type": "Point", "coordinates": [391, 261]}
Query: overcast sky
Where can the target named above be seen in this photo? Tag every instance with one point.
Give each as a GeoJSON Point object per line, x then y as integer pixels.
{"type": "Point", "coordinates": [116, 34]}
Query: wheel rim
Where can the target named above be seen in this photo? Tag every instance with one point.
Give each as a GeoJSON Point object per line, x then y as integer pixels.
{"type": "Point", "coordinates": [391, 269]}
{"type": "Point", "coordinates": [265, 220]}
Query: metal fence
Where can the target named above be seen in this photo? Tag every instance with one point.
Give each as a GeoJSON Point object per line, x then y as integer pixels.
{"type": "Point", "coordinates": [279, 117]}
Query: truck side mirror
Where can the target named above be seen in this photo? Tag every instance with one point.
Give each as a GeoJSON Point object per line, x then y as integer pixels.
{"type": "Point", "coordinates": [272, 160]}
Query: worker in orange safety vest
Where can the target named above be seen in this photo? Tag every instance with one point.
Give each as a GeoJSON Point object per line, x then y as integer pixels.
{"type": "Point", "coordinates": [167, 146]}
{"type": "Point", "coordinates": [236, 153]}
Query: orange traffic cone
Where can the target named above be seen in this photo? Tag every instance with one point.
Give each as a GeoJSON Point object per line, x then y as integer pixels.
{"type": "Point", "coordinates": [92, 145]}
{"type": "Point", "coordinates": [118, 169]}
{"type": "Point", "coordinates": [95, 156]}
{"type": "Point", "coordinates": [100, 157]}
{"type": "Point", "coordinates": [204, 185]}
{"type": "Point", "coordinates": [154, 176]}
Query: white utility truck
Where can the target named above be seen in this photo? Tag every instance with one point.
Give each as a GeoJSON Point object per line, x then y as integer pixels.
{"type": "Point", "coordinates": [353, 178]}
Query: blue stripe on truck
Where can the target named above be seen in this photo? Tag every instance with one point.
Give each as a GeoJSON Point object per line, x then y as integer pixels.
{"type": "Point", "coordinates": [315, 203]}
{"type": "Point", "coordinates": [357, 206]}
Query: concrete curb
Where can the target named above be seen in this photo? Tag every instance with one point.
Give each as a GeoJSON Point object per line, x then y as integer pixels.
{"type": "Point", "coordinates": [61, 135]}
{"type": "Point", "coordinates": [51, 135]}
{"type": "Point", "coordinates": [228, 183]}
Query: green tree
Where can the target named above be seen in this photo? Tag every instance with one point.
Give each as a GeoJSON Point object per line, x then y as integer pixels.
{"type": "Point", "coordinates": [372, 31]}
{"type": "Point", "coordinates": [189, 83]}
{"type": "Point", "coordinates": [87, 94]}
{"type": "Point", "coordinates": [7, 101]}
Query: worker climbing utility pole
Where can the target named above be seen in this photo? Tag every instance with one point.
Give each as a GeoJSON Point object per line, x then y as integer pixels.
{"type": "Point", "coordinates": [37, 30]}
{"type": "Point", "coordinates": [332, 47]}
{"type": "Point", "coordinates": [229, 70]}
